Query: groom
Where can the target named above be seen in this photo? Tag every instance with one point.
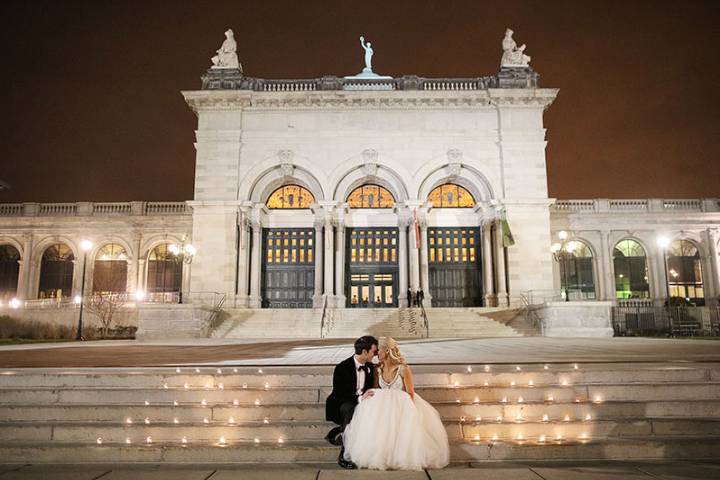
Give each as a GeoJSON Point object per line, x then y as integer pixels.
{"type": "Point", "coordinates": [352, 379]}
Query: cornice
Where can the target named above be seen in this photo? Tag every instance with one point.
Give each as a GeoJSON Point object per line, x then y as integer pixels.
{"type": "Point", "coordinates": [237, 100]}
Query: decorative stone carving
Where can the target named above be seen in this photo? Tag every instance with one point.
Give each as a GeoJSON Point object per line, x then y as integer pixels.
{"type": "Point", "coordinates": [453, 169]}
{"type": "Point", "coordinates": [287, 169]}
{"type": "Point", "coordinates": [285, 155]}
{"type": "Point", "coordinates": [370, 169]}
{"type": "Point", "coordinates": [370, 155]}
{"type": "Point", "coordinates": [454, 155]}
{"type": "Point", "coordinates": [513, 56]}
{"type": "Point", "coordinates": [226, 55]}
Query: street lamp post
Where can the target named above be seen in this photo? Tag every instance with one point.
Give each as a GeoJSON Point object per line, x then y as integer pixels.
{"type": "Point", "coordinates": [184, 253]}
{"type": "Point", "coordinates": [85, 245]}
{"type": "Point", "coordinates": [561, 252]}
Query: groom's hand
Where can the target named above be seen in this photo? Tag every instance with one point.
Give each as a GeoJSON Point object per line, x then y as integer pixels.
{"type": "Point", "coordinates": [368, 394]}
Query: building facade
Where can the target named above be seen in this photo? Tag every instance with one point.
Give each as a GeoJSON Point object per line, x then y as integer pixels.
{"type": "Point", "coordinates": [357, 193]}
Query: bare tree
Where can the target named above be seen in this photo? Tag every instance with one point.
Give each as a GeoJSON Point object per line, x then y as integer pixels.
{"type": "Point", "coordinates": [109, 295]}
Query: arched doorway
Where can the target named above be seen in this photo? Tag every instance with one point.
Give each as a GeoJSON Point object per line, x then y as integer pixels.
{"type": "Point", "coordinates": [371, 254]}
{"type": "Point", "coordinates": [288, 260]}
{"type": "Point", "coordinates": [454, 253]}
{"type": "Point", "coordinates": [56, 272]}
{"type": "Point", "coordinates": [164, 271]}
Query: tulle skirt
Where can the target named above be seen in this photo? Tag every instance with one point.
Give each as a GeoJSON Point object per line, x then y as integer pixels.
{"type": "Point", "coordinates": [392, 431]}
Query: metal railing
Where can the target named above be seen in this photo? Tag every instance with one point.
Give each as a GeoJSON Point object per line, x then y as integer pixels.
{"type": "Point", "coordinates": [642, 318]}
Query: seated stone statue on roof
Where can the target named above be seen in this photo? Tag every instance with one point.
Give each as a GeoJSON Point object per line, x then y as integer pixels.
{"type": "Point", "coordinates": [226, 56]}
{"type": "Point", "coordinates": [513, 56]}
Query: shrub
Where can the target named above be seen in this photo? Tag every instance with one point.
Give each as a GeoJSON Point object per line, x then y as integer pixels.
{"type": "Point", "coordinates": [33, 330]}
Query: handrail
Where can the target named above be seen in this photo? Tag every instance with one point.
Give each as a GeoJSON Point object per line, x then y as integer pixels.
{"type": "Point", "coordinates": [322, 319]}
{"type": "Point", "coordinates": [426, 322]}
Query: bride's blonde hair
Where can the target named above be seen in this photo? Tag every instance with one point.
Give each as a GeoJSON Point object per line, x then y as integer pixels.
{"type": "Point", "coordinates": [393, 351]}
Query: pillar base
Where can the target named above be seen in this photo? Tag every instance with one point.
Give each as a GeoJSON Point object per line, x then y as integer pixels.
{"type": "Point", "coordinates": [502, 300]}
{"type": "Point", "coordinates": [490, 300]}
{"type": "Point", "coordinates": [254, 302]}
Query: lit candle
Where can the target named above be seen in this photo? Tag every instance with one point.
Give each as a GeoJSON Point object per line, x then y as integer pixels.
{"type": "Point", "coordinates": [478, 418]}
{"type": "Point", "coordinates": [186, 386]}
{"type": "Point", "coordinates": [197, 370]}
{"type": "Point", "coordinates": [175, 403]}
{"type": "Point", "coordinates": [175, 420]}
{"type": "Point", "coordinates": [235, 370]}
{"type": "Point", "coordinates": [566, 418]}
{"type": "Point", "coordinates": [257, 440]}
{"type": "Point", "coordinates": [148, 440]}
{"type": "Point", "coordinates": [147, 421]}
{"type": "Point", "coordinates": [512, 383]}
{"type": "Point", "coordinates": [546, 367]}
{"type": "Point", "coordinates": [236, 402]}
{"type": "Point", "coordinates": [165, 386]}
{"type": "Point", "coordinates": [477, 400]}
{"type": "Point", "coordinates": [203, 402]}
{"type": "Point", "coordinates": [257, 401]}
{"type": "Point", "coordinates": [588, 417]}
{"type": "Point", "coordinates": [545, 418]}
{"type": "Point", "coordinates": [558, 437]}
{"type": "Point", "coordinates": [219, 371]}
{"type": "Point", "coordinates": [520, 436]}
{"type": "Point", "coordinates": [495, 437]}
{"type": "Point", "coordinates": [221, 440]}
{"type": "Point", "coordinates": [259, 370]}
{"type": "Point", "coordinates": [462, 419]}
{"type": "Point", "coordinates": [531, 383]}
{"type": "Point", "coordinates": [541, 439]}
{"type": "Point", "coordinates": [457, 400]}
{"type": "Point", "coordinates": [518, 417]}
{"type": "Point", "coordinates": [267, 385]}
{"type": "Point", "coordinates": [128, 441]}
{"type": "Point", "coordinates": [564, 383]}
{"type": "Point", "coordinates": [244, 385]}
{"type": "Point", "coordinates": [550, 398]}
{"type": "Point", "coordinates": [477, 437]}
{"type": "Point", "coordinates": [221, 386]}
{"type": "Point", "coordinates": [177, 370]}
{"type": "Point", "coordinates": [486, 383]}
{"type": "Point", "coordinates": [280, 440]}
{"type": "Point", "coordinates": [128, 421]}
{"type": "Point", "coordinates": [457, 384]}
{"type": "Point", "coordinates": [499, 418]}
{"type": "Point", "coordinates": [487, 368]}
{"type": "Point", "coordinates": [147, 403]}
{"type": "Point", "coordinates": [517, 368]}
{"type": "Point", "coordinates": [266, 420]}
{"type": "Point", "coordinates": [469, 369]}
{"type": "Point", "coordinates": [205, 420]}
{"type": "Point", "coordinates": [504, 400]}
{"type": "Point", "coordinates": [184, 440]}
{"type": "Point", "coordinates": [520, 400]}
{"type": "Point", "coordinates": [99, 441]}
{"type": "Point", "coordinates": [598, 399]}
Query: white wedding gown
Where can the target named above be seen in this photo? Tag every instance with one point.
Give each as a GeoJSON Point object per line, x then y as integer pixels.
{"type": "Point", "coordinates": [392, 431]}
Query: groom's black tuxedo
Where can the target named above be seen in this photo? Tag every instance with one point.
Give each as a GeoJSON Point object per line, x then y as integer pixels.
{"type": "Point", "coordinates": [345, 389]}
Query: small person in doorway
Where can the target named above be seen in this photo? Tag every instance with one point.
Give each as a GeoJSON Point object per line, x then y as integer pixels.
{"type": "Point", "coordinates": [419, 297]}
{"type": "Point", "coordinates": [409, 298]}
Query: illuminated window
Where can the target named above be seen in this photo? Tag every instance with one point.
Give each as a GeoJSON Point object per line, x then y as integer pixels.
{"type": "Point", "coordinates": [684, 272]}
{"type": "Point", "coordinates": [9, 271]}
{"type": "Point", "coordinates": [110, 269]}
{"type": "Point", "coordinates": [370, 196]}
{"type": "Point", "coordinates": [290, 197]}
{"type": "Point", "coordinates": [451, 196]}
{"type": "Point", "coordinates": [164, 270]}
{"type": "Point", "coordinates": [576, 271]}
{"type": "Point", "coordinates": [631, 270]}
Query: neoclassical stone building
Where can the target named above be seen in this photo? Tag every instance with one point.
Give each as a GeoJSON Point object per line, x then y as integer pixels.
{"type": "Point", "coordinates": [351, 193]}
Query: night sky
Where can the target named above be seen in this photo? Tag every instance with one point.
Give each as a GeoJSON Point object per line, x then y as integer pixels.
{"type": "Point", "coordinates": [92, 108]}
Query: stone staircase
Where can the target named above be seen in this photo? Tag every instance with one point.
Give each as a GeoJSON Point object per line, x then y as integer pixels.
{"type": "Point", "coordinates": [276, 414]}
{"type": "Point", "coordinates": [354, 322]}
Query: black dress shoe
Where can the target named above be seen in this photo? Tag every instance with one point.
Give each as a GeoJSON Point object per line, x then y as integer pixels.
{"type": "Point", "coordinates": [345, 463]}
{"type": "Point", "coordinates": [334, 436]}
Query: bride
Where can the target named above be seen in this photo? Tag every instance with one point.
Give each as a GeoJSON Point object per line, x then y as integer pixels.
{"type": "Point", "coordinates": [392, 427]}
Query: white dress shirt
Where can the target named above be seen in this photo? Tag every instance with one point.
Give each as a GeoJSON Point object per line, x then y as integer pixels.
{"type": "Point", "coordinates": [360, 375]}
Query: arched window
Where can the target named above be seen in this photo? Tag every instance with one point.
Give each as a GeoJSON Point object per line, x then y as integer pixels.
{"type": "Point", "coordinates": [290, 197]}
{"type": "Point", "coordinates": [451, 196]}
{"type": "Point", "coordinates": [370, 196]}
{"type": "Point", "coordinates": [576, 271]}
{"type": "Point", "coordinates": [110, 271]}
{"type": "Point", "coordinates": [56, 272]}
{"type": "Point", "coordinates": [9, 271]}
{"type": "Point", "coordinates": [164, 270]}
{"type": "Point", "coordinates": [631, 270]}
{"type": "Point", "coordinates": [684, 272]}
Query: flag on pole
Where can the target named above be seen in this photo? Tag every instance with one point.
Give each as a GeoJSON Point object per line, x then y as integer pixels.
{"type": "Point", "coordinates": [417, 229]}
{"type": "Point", "coordinates": [507, 237]}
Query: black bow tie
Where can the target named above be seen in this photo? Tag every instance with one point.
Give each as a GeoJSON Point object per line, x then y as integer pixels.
{"type": "Point", "coordinates": [363, 368]}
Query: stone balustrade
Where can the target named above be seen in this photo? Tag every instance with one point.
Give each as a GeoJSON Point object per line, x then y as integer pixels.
{"type": "Point", "coordinates": [603, 205]}
{"type": "Point", "coordinates": [93, 209]}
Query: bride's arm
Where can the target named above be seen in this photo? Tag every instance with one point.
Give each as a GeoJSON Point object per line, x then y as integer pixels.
{"type": "Point", "coordinates": [407, 377]}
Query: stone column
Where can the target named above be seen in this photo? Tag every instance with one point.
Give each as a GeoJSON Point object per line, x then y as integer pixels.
{"type": "Point", "coordinates": [243, 261]}
{"type": "Point", "coordinates": [661, 276]}
{"type": "Point", "coordinates": [486, 258]}
{"type": "Point", "coordinates": [414, 259]}
{"type": "Point", "coordinates": [132, 264]}
{"type": "Point", "coordinates": [317, 295]}
{"type": "Point", "coordinates": [329, 259]}
{"type": "Point", "coordinates": [402, 262]}
{"type": "Point", "coordinates": [255, 301]}
{"type": "Point", "coordinates": [424, 266]}
{"type": "Point", "coordinates": [340, 264]}
{"type": "Point", "coordinates": [605, 289]}
{"type": "Point", "coordinates": [141, 275]}
{"type": "Point", "coordinates": [502, 294]}
{"type": "Point", "coordinates": [24, 275]}
{"type": "Point", "coordinates": [711, 294]}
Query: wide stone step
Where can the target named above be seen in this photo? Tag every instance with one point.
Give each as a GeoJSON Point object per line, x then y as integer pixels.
{"type": "Point", "coordinates": [272, 430]}
{"type": "Point", "coordinates": [596, 393]}
{"type": "Point", "coordinates": [315, 411]}
{"type": "Point", "coordinates": [657, 448]}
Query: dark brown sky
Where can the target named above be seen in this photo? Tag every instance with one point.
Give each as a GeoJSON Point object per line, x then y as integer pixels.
{"type": "Point", "coordinates": [92, 107]}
